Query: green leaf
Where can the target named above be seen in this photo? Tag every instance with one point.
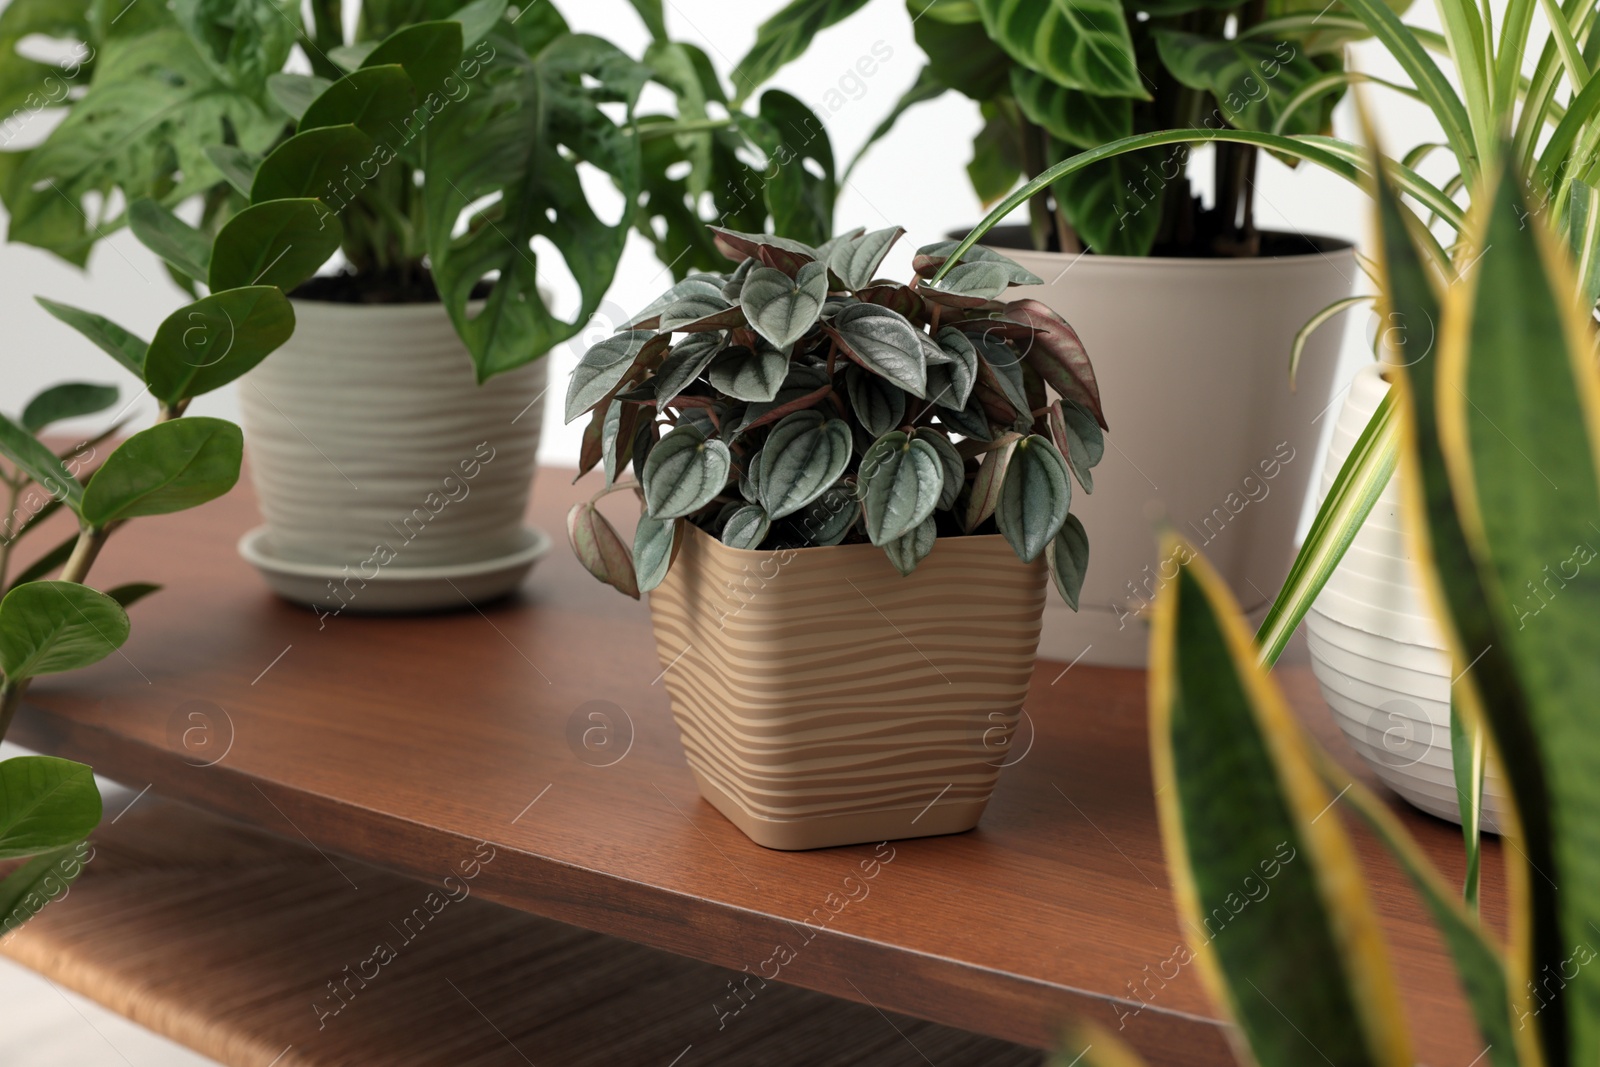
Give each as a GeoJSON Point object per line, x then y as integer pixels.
{"type": "Point", "coordinates": [47, 627]}
{"type": "Point", "coordinates": [1467, 758]}
{"type": "Point", "coordinates": [47, 562]}
{"type": "Point", "coordinates": [931, 258]}
{"type": "Point", "coordinates": [26, 890]}
{"type": "Point", "coordinates": [880, 406]}
{"type": "Point", "coordinates": [181, 245]}
{"type": "Point", "coordinates": [1077, 437]}
{"type": "Point", "coordinates": [45, 803]}
{"type": "Point", "coordinates": [783, 309]}
{"type": "Point", "coordinates": [1251, 80]}
{"type": "Point", "coordinates": [429, 52]}
{"type": "Point", "coordinates": [653, 544]}
{"type": "Point", "coordinates": [856, 260]}
{"type": "Point", "coordinates": [699, 305]}
{"type": "Point", "coordinates": [600, 549]}
{"type": "Point", "coordinates": [617, 435]}
{"type": "Point", "coordinates": [170, 467]}
{"type": "Point", "coordinates": [1078, 118]}
{"type": "Point", "coordinates": [684, 473]}
{"type": "Point", "coordinates": [830, 517]}
{"type": "Point", "coordinates": [747, 527]}
{"type": "Point", "coordinates": [209, 343]}
{"type": "Point", "coordinates": [130, 593]}
{"type": "Point", "coordinates": [997, 157]}
{"type": "Point", "coordinates": [884, 343]}
{"type": "Point", "coordinates": [295, 92]}
{"type": "Point", "coordinates": [39, 463]}
{"type": "Point", "coordinates": [312, 164]}
{"type": "Point", "coordinates": [796, 143]}
{"type": "Point", "coordinates": [246, 41]}
{"type": "Point", "coordinates": [1302, 336]}
{"type": "Point", "coordinates": [685, 362]}
{"type": "Point", "coordinates": [753, 375]}
{"type": "Point", "coordinates": [960, 54]}
{"type": "Point", "coordinates": [68, 400]}
{"type": "Point", "coordinates": [1112, 203]}
{"type": "Point", "coordinates": [804, 456]}
{"type": "Point", "coordinates": [908, 551]}
{"type": "Point", "coordinates": [1239, 798]}
{"type": "Point", "coordinates": [480, 17]}
{"type": "Point", "coordinates": [784, 37]}
{"type": "Point", "coordinates": [1034, 497]}
{"type": "Point", "coordinates": [978, 280]}
{"type": "Point", "coordinates": [604, 367]}
{"type": "Point", "coordinates": [1082, 44]}
{"type": "Point", "coordinates": [1068, 557]}
{"type": "Point", "coordinates": [375, 100]}
{"type": "Point", "coordinates": [955, 468]}
{"type": "Point", "coordinates": [279, 243]}
{"type": "Point", "coordinates": [654, 20]}
{"type": "Point", "coordinates": [950, 383]}
{"type": "Point", "coordinates": [901, 480]}
{"type": "Point", "coordinates": [113, 340]}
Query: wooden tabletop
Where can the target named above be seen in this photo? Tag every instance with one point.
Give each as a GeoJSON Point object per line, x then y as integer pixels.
{"type": "Point", "coordinates": [403, 742]}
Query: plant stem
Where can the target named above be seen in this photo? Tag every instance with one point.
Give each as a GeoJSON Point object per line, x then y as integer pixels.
{"type": "Point", "coordinates": [10, 538]}
{"type": "Point", "coordinates": [90, 540]}
{"type": "Point", "coordinates": [10, 698]}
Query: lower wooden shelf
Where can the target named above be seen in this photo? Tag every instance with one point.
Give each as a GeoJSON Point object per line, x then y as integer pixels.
{"type": "Point", "coordinates": [261, 953]}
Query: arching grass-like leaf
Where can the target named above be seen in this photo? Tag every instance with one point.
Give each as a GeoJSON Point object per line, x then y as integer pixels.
{"type": "Point", "coordinates": [182, 246]}
{"type": "Point", "coordinates": [169, 467]}
{"type": "Point", "coordinates": [883, 342]}
{"type": "Point", "coordinates": [747, 527]}
{"type": "Point", "coordinates": [1239, 798]}
{"type": "Point", "coordinates": [45, 803]}
{"type": "Point", "coordinates": [781, 308]}
{"type": "Point", "coordinates": [804, 455]}
{"type": "Point", "coordinates": [684, 473]}
{"type": "Point", "coordinates": [69, 400]}
{"type": "Point", "coordinates": [653, 544]}
{"type": "Point", "coordinates": [312, 164]}
{"type": "Point", "coordinates": [122, 346]}
{"type": "Point", "coordinates": [279, 243]}
{"type": "Point", "coordinates": [901, 481]}
{"type": "Point", "coordinates": [1068, 557]}
{"type": "Point", "coordinates": [1034, 497]}
{"type": "Point", "coordinates": [207, 344]}
{"type": "Point", "coordinates": [48, 627]}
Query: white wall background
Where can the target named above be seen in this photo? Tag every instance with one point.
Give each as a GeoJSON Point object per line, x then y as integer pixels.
{"type": "Point", "coordinates": [915, 178]}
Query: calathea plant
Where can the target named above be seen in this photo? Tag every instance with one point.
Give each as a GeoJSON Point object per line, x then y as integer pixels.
{"type": "Point", "coordinates": [800, 401]}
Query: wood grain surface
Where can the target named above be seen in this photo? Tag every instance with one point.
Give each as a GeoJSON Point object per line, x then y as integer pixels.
{"type": "Point", "coordinates": [404, 742]}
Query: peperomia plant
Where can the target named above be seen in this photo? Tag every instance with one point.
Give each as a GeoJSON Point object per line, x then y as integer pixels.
{"type": "Point", "coordinates": [800, 401]}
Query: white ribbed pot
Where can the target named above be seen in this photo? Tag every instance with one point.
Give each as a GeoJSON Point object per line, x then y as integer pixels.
{"type": "Point", "coordinates": [1375, 648]}
{"type": "Point", "coordinates": [1192, 356]}
{"type": "Point", "coordinates": [368, 428]}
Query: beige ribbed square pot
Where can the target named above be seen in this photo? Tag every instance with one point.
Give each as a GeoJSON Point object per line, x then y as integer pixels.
{"type": "Point", "coordinates": [825, 700]}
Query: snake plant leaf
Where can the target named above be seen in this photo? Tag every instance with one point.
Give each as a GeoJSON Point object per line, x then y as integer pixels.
{"type": "Point", "coordinates": [907, 551]}
{"type": "Point", "coordinates": [955, 469]}
{"type": "Point", "coordinates": [1068, 558]}
{"type": "Point", "coordinates": [69, 400]}
{"type": "Point", "coordinates": [122, 346]}
{"type": "Point", "coordinates": [31, 457]}
{"type": "Point", "coordinates": [45, 803]}
{"type": "Point", "coordinates": [930, 258]}
{"type": "Point", "coordinates": [684, 473]}
{"type": "Point", "coordinates": [207, 344]}
{"type": "Point", "coordinates": [781, 308]}
{"type": "Point", "coordinates": [279, 243]}
{"type": "Point", "coordinates": [1087, 1045]}
{"type": "Point", "coordinates": [1083, 44]}
{"type": "Point", "coordinates": [378, 101]}
{"type": "Point", "coordinates": [25, 891]}
{"type": "Point", "coordinates": [984, 495]}
{"type": "Point", "coordinates": [1239, 798]}
{"type": "Point", "coordinates": [184, 248]}
{"type": "Point", "coordinates": [750, 374]}
{"type": "Point", "coordinates": [427, 51]}
{"type": "Point", "coordinates": [804, 455]}
{"type": "Point", "coordinates": [295, 92]}
{"type": "Point", "coordinates": [48, 627]}
{"type": "Point", "coordinates": [314, 164]}
{"type": "Point", "coordinates": [901, 479]}
{"type": "Point", "coordinates": [604, 367]}
{"type": "Point", "coordinates": [1058, 355]}
{"type": "Point", "coordinates": [1233, 72]}
{"type": "Point", "coordinates": [1517, 404]}
{"type": "Point", "coordinates": [685, 362]}
{"type": "Point", "coordinates": [600, 549]}
{"type": "Point", "coordinates": [1468, 753]}
{"type": "Point", "coordinates": [1078, 118]}
{"type": "Point", "coordinates": [172, 466]}
{"type": "Point", "coordinates": [1078, 437]}
{"type": "Point", "coordinates": [1034, 497]}
{"type": "Point", "coordinates": [653, 543]}
{"type": "Point", "coordinates": [878, 404]}
{"type": "Point", "coordinates": [747, 527]}
{"type": "Point", "coordinates": [950, 381]}
{"type": "Point", "coordinates": [784, 37]}
{"type": "Point", "coordinates": [856, 261]}
{"type": "Point", "coordinates": [884, 343]}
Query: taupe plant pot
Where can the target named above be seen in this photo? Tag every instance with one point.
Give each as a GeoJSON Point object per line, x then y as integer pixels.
{"type": "Point", "coordinates": [825, 700]}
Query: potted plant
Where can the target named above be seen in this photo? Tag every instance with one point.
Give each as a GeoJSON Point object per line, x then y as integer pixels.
{"type": "Point", "coordinates": [1198, 306]}
{"type": "Point", "coordinates": [852, 490]}
{"type": "Point", "coordinates": [450, 144]}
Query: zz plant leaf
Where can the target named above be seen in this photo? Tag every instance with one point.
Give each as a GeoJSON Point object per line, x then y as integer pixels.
{"type": "Point", "coordinates": [207, 344]}
{"type": "Point", "coordinates": [170, 467]}
{"type": "Point", "coordinates": [48, 627]}
{"type": "Point", "coordinates": [45, 803]}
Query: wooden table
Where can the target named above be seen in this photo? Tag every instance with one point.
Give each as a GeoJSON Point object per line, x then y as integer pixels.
{"type": "Point", "coordinates": [405, 742]}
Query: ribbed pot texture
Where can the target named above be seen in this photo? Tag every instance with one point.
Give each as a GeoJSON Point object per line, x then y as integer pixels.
{"type": "Point", "coordinates": [825, 700]}
{"type": "Point", "coordinates": [1192, 356]}
{"type": "Point", "coordinates": [1375, 648]}
{"type": "Point", "coordinates": [369, 427]}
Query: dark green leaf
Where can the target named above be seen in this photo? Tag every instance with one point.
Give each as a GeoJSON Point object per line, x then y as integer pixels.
{"type": "Point", "coordinates": [747, 527]}
{"type": "Point", "coordinates": [45, 803]}
{"type": "Point", "coordinates": [66, 401]}
{"type": "Point", "coordinates": [783, 37]}
{"type": "Point", "coordinates": [185, 248]}
{"type": "Point", "coordinates": [429, 52]}
{"type": "Point", "coordinates": [799, 185]}
{"type": "Point", "coordinates": [375, 100]}
{"type": "Point", "coordinates": [902, 480]}
{"type": "Point", "coordinates": [295, 92]}
{"type": "Point", "coordinates": [1056, 353]}
{"type": "Point", "coordinates": [31, 457]}
{"type": "Point", "coordinates": [47, 627]}
{"type": "Point", "coordinates": [880, 406]}
{"type": "Point", "coordinates": [106, 335]}
{"type": "Point", "coordinates": [170, 467]}
{"type": "Point", "coordinates": [684, 473]}
{"type": "Point", "coordinates": [1251, 80]}
{"type": "Point", "coordinates": [279, 243]}
{"type": "Point", "coordinates": [960, 54]}
{"type": "Point", "coordinates": [911, 549]}
{"type": "Point", "coordinates": [955, 469]}
{"type": "Point", "coordinates": [827, 519]}
{"type": "Point", "coordinates": [237, 166]}
{"type": "Point", "coordinates": [783, 309]}
{"type": "Point", "coordinates": [883, 342]}
{"type": "Point", "coordinates": [1034, 497]}
{"type": "Point", "coordinates": [479, 18]}
{"type": "Point", "coordinates": [604, 367]}
{"type": "Point", "coordinates": [749, 374]}
{"type": "Point", "coordinates": [26, 890]}
{"type": "Point", "coordinates": [132, 592]}
{"type": "Point", "coordinates": [1115, 203]}
{"type": "Point", "coordinates": [653, 542]}
{"type": "Point", "coordinates": [950, 383]}
{"type": "Point", "coordinates": [1068, 557]}
{"type": "Point", "coordinates": [856, 261]}
{"type": "Point", "coordinates": [315, 164]}
{"type": "Point", "coordinates": [1078, 118]}
{"type": "Point", "coordinates": [1079, 438]}
{"type": "Point", "coordinates": [212, 341]}
{"type": "Point", "coordinates": [1082, 44]}
{"type": "Point", "coordinates": [804, 455]}
{"type": "Point", "coordinates": [685, 362]}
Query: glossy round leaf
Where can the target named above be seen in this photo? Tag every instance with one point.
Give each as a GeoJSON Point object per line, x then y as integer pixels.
{"type": "Point", "coordinates": [311, 164]}
{"type": "Point", "coordinates": [169, 467]}
{"type": "Point", "coordinates": [209, 343]}
{"type": "Point", "coordinates": [376, 100]}
{"type": "Point", "coordinates": [45, 803]}
{"type": "Point", "coordinates": [47, 627]}
{"type": "Point", "coordinates": [279, 243]}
